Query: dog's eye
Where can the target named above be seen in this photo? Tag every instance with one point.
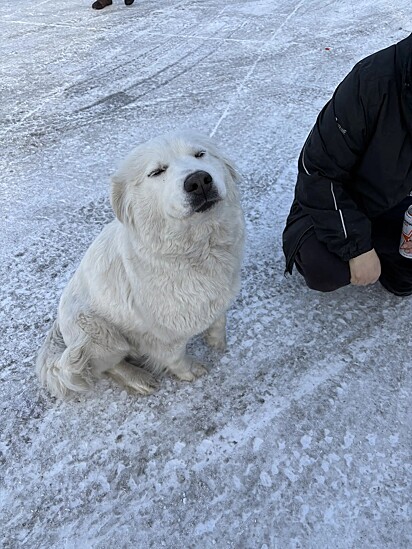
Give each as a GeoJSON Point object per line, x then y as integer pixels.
{"type": "Point", "coordinates": [157, 172]}
{"type": "Point", "coordinates": [199, 154]}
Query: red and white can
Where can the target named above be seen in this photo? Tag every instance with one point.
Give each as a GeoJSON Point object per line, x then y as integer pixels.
{"type": "Point", "coordinates": [405, 247]}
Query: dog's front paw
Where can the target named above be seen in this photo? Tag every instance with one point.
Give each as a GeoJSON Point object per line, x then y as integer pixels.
{"type": "Point", "coordinates": [198, 369]}
{"type": "Point", "coordinates": [190, 371]}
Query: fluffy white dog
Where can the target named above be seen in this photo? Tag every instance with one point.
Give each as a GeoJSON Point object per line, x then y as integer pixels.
{"type": "Point", "coordinates": [166, 269]}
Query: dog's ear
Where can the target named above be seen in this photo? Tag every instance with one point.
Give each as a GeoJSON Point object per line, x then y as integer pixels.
{"type": "Point", "coordinates": [233, 171]}
{"type": "Point", "coordinates": [118, 199]}
{"type": "Point", "coordinates": [231, 168]}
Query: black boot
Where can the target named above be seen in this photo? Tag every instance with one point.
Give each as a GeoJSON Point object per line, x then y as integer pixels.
{"type": "Point", "coordinates": [100, 4]}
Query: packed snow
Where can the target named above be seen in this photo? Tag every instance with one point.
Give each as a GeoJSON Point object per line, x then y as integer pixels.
{"type": "Point", "coordinates": [300, 435]}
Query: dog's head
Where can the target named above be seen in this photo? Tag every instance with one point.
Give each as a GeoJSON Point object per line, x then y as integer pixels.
{"type": "Point", "coordinates": [179, 176]}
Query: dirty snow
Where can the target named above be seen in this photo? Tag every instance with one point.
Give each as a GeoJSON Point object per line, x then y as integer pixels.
{"type": "Point", "coordinates": [300, 435]}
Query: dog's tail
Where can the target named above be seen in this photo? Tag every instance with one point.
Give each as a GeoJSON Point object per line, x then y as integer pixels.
{"type": "Point", "coordinates": [62, 369]}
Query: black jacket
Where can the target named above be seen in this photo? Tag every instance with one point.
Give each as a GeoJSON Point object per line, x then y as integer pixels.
{"type": "Point", "coordinates": [357, 160]}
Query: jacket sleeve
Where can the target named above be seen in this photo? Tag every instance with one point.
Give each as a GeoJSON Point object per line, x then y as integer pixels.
{"type": "Point", "coordinates": [328, 159]}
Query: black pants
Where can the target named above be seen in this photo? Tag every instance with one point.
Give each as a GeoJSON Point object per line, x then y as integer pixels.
{"type": "Point", "coordinates": [325, 271]}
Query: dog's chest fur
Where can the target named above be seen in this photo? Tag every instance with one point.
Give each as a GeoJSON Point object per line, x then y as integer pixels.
{"type": "Point", "coordinates": [185, 290]}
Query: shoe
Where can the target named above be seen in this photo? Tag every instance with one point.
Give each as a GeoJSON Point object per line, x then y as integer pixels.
{"type": "Point", "coordinates": [100, 4]}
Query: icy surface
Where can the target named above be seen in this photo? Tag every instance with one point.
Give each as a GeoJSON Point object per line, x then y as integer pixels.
{"type": "Point", "coordinates": [300, 435]}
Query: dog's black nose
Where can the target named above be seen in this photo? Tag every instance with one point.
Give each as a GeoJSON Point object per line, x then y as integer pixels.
{"type": "Point", "coordinates": [198, 183]}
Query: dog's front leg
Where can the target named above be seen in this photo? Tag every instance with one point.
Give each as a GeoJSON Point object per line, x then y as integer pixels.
{"type": "Point", "coordinates": [215, 335]}
{"type": "Point", "coordinates": [186, 368]}
{"type": "Point", "coordinates": [173, 357]}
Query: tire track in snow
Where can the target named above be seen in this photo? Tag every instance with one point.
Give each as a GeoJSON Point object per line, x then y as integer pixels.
{"type": "Point", "coordinates": [241, 87]}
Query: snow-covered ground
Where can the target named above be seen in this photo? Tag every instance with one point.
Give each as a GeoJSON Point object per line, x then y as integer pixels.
{"type": "Point", "coordinates": [299, 435]}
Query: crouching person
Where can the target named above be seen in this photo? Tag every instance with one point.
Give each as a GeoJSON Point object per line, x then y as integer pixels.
{"type": "Point", "coordinates": [355, 181]}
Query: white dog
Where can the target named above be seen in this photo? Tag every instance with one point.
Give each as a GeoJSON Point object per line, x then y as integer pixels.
{"type": "Point", "coordinates": [166, 269]}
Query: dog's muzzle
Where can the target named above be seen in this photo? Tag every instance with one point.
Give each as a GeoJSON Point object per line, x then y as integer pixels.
{"type": "Point", "coordinates": [201, 190]}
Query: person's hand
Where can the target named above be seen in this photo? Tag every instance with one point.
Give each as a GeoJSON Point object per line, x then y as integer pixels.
{"type": "Point", "coordinates": [365, 269]}
{"type": "Point", "coordinates": [407, 246]}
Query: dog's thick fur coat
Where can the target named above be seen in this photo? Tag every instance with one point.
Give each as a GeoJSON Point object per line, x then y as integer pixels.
{"type": "Point", "coordinates": [165, 270]}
